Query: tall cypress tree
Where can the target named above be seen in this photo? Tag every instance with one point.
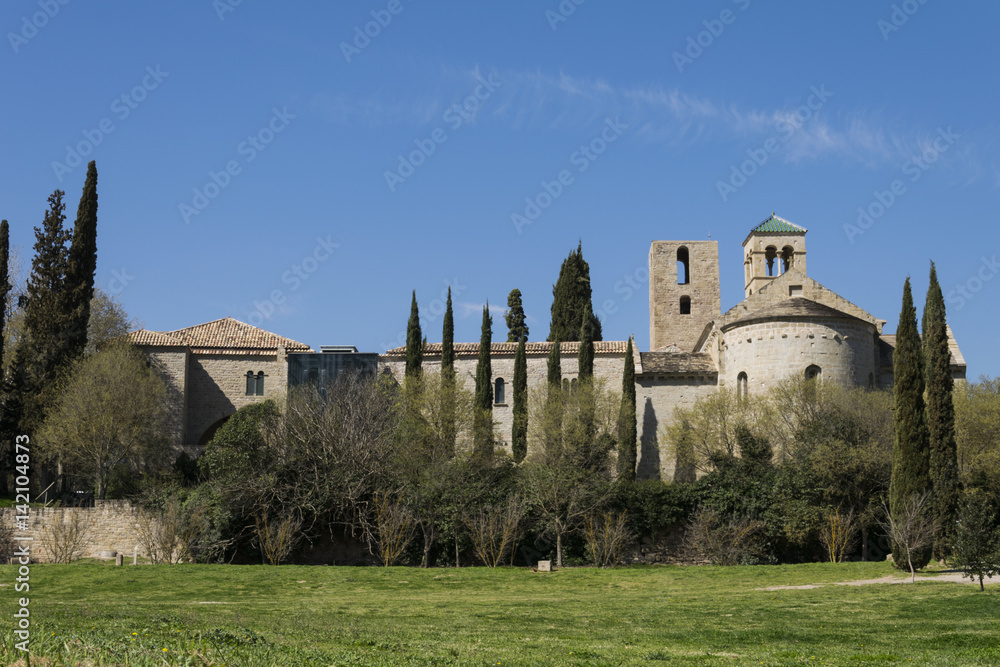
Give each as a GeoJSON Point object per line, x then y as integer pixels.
{"type": "Point", "coordinates": [911, 453]}
{"type": "Point", "coordinates": [414, 341]}
{"type": "Point", "coordinates": [554, 367]}
{"type": "Point", "coordinates": [483, 431]}
{"type": "Point", "coordinates": [519, 429]}
{"type": "Point", "coordinates": [5, 285]}
{"type": "Point", "coordinates": [82, 265]}
{"type": "Point", "coordinates": [570, 297]}
{"type": "Point", "coordinates": [940, 418]}
{"type": "Point", "coordinates": [43, 351]}
{"type": "Point", "coordinates": [449, 434]}
{"type": "Point", "coordinates": [516, 326]}
{"type": "Point", "coordinates": [586, 353]}
{"type": "Point", "coordinates": [553, 400]}
{"type": "Point", "coordinates": [627, 425]}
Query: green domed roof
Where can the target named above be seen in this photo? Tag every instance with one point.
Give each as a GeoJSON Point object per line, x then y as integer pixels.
{"type": "Point", "coordinates": [776, 225]}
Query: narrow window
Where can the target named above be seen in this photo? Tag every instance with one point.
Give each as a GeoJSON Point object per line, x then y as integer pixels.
{"type": "Point", "coordinates": [814, 373]}
{"type": "Point", "coordinates": [685, 305]}
{"type": "Point", "coordinates": [683, 267]}
{"type": "Point", "coordinates": [770, 253]}
{"type": "Point", "coordinates": [741, 385]}
{"type": "Point", "coordinates": [566, 385]}
{"type": "Point", "coordinates": [498, 388]}
{"type": "Point", "coordinates": [871, 380]}
{"type": "Point", "coordinates": [251, 385]}
{"type": "Point", "coordinates": [572, 386]}
{"type": "Point", "coordinates": [260, 383]}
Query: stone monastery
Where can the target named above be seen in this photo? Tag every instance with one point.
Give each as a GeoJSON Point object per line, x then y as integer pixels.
{"type": "Point", "coordinates": [787, 325]}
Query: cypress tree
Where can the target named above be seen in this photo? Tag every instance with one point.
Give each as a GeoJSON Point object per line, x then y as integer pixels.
{"type": "Point", "coordinates": [516, 326]}
{"type": "Point", "coordinates": [43, 352]}
{"type": "Point", "coordinates": [627, 425]}
{"type": "Point", "coordinates": [519, 430]}
{"type": "Point", "coordinates": [553, 400]}
{"type": "Point", "coordinates": [82, 265]}
{"type": "Point", "coordinates": [940, 418]}
{"type": "Point", "coordinates": [911, 455]}
{"type": "Point", "coordinates": [448, 378]}
{"type": "Point", "coordinates": [483, 435]}
{"type": "Point", "coordinates": [414, 341]}
{"type": "Point", "coordinates": [570, 297]}
{"type": "Point", "coordinates": [5, 285]}
{"type": "Point", "coordinates": [585, 356]}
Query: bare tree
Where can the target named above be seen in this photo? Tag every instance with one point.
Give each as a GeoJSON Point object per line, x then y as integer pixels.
{"type": "Point", "coordinates": [839, 534]}
{"type": "Point", "coordinates": [912, 527]}
{"type": "Point", "coordinates": [734, 542]}
{"type": "Point", "coordinates": [67, 535]}
{"type": "Point", "coordinates": [607, 535]}
{"type": "Point", "coordinates": [396, 527]}
{"type": "Point", "coordinates": [276, 537]}
{"type": "Point", "coordinates": [495, 530]}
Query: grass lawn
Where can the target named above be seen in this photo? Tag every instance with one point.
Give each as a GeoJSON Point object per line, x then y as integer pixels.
{"type": "Point", "coordinates": [95, 613]}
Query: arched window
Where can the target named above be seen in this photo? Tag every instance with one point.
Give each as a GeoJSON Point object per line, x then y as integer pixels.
{"type": "Point", "coordinates": [260, 383]}
{"type": "Point", "coordinates": [683, 266]}
{"type": "Point", "coordinates": [251, 384]}
{"type": "Point", "coordinates": [770, 253]}
{"type": "Point", "coordinates": [786, 257]}
{"type": "Point", "coordinates": [814, 372]}
{"type": "Point", "coordinates": [741, 385]}
{"type": "Point", "coordinates": [498, 391]}
{"type": "Point", "coordinates": [566, 385]}
{"type": "Point", "coordinates": [685, 305]}
{"type": "Point", "coordinates": [572, 386]}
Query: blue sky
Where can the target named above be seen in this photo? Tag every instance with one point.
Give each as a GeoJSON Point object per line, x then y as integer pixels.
{"type": "Point", "coordinates": [243, 152]}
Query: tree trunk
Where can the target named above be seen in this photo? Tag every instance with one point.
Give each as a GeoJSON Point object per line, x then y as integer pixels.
{"type": "Point", "coordinates": [981, 583]}
{"type": "Point", "coordinates": [428, 531]}
{"type": "Point", "coordinates": [559, 550]}
{"type": "Point", "coordinates": [864, 545]}
{"type": "Point", "coordinates": [457, 564]}
{"type": "Point", "coordinates": [913, 573]}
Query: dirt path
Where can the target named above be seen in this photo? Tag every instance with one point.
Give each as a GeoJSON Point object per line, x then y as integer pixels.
{"type": "Point", "coordinates": [955, 577]}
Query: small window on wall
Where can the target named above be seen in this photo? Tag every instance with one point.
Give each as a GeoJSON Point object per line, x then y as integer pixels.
{"type": "Point", "coordinates": [871, 380]}
{"type": "Point", "coordinates": [260, 384]}
{"type": "Point", "coordinates": [251, 383]}
{"type": "Point", "coordinates": [685, 305]}
{"type": "Point", "coordinates": [741, 385]}
{"type": "Point", "coordinates": [814, 373]}
{"type": "Point", "coordinates": [498, 391]}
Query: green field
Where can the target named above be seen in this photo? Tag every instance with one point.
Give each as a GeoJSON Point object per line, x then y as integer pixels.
{"type": "Point", "coordinates": [94, 613]}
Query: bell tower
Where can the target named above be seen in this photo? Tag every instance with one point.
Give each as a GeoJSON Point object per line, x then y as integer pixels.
{"type": "Point", "coordinates": [683, 291]}
{"type": "Point", "coordinates": [772, 248]}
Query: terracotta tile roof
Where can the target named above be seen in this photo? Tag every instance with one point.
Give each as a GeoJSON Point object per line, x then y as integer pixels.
{"type": "Point", "coordinates": [674, 363]}
{"type": "Point", "coordinates": [227, 334]}
{"type": "Point", "coordinates": [795, 307]}
{"type": "Point", "coordinates": [508, 349]}
{"type": "Point", "coordinates": [147, 338]}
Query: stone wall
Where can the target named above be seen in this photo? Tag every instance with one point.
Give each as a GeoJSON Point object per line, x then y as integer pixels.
{"type": "Point", "coordinates": [666, 325]}
{"type": "Point", "coordinates": [607, 366]}
{"type": "Point", "coordinates": [172, 364]}
{"type": "Point", "coordinates": [771, 351]}
{"type": "Point", "coordinates": [217, 388]}
{"type": "Point", "coordinates": [656, 398]}
{"type": "Point", "coordinates": [109, 526]}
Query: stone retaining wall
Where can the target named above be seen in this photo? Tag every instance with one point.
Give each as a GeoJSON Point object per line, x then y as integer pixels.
{"type": "Point", "coordinates": [110, 526]}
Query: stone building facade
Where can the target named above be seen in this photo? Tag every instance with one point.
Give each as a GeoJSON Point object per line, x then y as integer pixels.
{"type": "Point", "coordinates": [787, 325]}
{"type": "Point", "coordinates": [214, 369]}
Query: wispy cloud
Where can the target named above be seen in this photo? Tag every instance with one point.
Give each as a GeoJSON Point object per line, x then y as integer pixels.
{"type": "Point", "coordinates": [559, 101]}
{"type": "Point", "coordinates": [465, 309]}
